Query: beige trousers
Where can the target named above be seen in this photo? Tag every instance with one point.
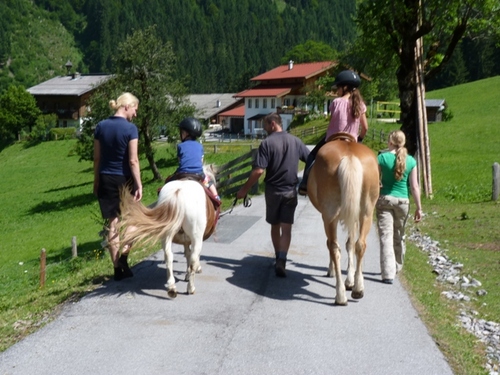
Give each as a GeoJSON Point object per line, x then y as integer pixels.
{"type": "Point", "coordinates": [391, 220]}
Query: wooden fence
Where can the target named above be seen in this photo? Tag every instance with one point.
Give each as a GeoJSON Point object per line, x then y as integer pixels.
{"type": "Point", "coordinates": [230, 176]}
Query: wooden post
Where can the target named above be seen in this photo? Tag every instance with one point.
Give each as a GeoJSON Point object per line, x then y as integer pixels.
{"type": "Point", "coordinates": [423, 144]}
{"type": "Point", "coordinates": [43, 263]}
{"type": "Point", "coordinates": [496, 182]}
{"type": "Point", "coordinates": [74, 250]}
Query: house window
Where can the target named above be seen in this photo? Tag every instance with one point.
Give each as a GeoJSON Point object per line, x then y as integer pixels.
{"type": "Point", "coordinates": [264, 103]}
{"type": "Point", "coordinates": [256, 103]}
{"type": "Point", "coordinates": [273, 103]}
{"type": "Point", "coordinates": [286, 102]}
{"type": "Point", "coordinates": [249, 103]}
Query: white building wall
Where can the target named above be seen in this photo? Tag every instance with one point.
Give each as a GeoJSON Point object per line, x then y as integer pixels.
{"type": "Point", "coordinates": [255, 127]}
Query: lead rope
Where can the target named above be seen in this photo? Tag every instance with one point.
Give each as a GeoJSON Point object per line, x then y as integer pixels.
{"type": "Point", "coordinates": [247, 202]}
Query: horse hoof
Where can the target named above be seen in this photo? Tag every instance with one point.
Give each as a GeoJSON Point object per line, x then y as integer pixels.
{"type": "Point", "coordinates": [329, 274]}
{"type": "Point", "coordinates": [358, 295]}
{"type": "Point", "coordinates": [191, 291]}
{"type": "Point", "coordinates": [337, 303]}
{"type": "Point", "coordinates": [349, 287]}
{"type": "Point", "coordinates": [172, 293]}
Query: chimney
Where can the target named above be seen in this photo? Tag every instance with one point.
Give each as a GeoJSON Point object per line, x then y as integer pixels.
{"type": "Point", "coordinates": [290, 65]}
{"type": "Point", "coordinates": [68, 66]}
{"type": "Point", "coordinates": [218, 103]}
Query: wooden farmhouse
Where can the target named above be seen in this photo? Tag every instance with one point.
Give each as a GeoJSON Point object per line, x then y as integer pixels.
{"type": "Point", "coordinates": [67, 96]}
{"type": "Point", "coordinates": [281, 90]}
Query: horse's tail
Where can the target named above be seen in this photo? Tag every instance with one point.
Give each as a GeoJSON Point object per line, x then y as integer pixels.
{"type": "Point", "coordinates": [350, 174]}
{"type": "Point", "coordinates": [149, 225]}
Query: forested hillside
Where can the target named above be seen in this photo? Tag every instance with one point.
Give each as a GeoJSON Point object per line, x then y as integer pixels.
{"type": "Point", "coordinates": [34, 45]}
{"type": "Point", "coordinates": [219, 44]}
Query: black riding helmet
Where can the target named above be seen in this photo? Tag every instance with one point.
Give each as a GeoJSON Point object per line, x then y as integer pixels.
{"type": "Point", "coordinates": [347, 78]}
{"type": "Point", "coordinates": [192, 126]}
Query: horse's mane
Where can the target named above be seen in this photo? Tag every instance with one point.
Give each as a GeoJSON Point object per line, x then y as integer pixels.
{"type": "Point", "coordinates": [209, 170]}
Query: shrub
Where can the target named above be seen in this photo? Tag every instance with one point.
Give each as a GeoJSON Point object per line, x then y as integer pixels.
{"type": "Point", "coordinates": [62, 133]}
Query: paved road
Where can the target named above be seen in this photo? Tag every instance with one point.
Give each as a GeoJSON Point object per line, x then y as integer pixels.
{"type": "Point", "coordinates": [242, 319]}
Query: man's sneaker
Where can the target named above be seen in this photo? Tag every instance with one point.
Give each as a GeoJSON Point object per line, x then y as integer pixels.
{"type": "Point", "coordinates": [280, 267]}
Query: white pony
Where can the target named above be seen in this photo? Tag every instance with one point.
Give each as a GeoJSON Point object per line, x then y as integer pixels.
{"type": "Point", "coordinates": [183, 214]}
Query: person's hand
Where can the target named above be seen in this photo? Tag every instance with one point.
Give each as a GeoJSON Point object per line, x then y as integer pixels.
{"type": "Point", "coordinates": [138, 194]}
{"type": "Point", "coordinates": [418, 216]}
{"type": "Point", "coordinates": [241, 194]}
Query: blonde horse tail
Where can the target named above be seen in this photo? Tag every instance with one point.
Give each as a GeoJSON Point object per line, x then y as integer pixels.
{"type": "Point", "coordinates": [149, 225]}
{"type": "Point", "coordinates": [350, 174]}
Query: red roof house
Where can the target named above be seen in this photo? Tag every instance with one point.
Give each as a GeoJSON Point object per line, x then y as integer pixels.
{"type": "Point", "coordinates": [280, 90]}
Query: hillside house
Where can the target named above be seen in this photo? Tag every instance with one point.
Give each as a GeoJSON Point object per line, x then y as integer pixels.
{"type": "Point", "coordinates": [280, 90]}
{"type": "Point", "coordinates": [209, 107]}
{"type": "Point", "coordinates": [67, 96]}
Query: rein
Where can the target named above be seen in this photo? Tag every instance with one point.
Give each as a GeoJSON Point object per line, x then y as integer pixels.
{"type": "Point", "coordinates": [247, 202]}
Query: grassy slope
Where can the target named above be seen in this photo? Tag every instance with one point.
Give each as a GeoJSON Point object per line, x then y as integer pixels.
{"type": "Point", "coordinates": [462, 217]}
{"type": "Point", "coordinates": [46, 199]}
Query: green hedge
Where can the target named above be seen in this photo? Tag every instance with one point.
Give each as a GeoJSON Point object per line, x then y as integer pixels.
{"type": "Point", "coordinates": [62, 133]}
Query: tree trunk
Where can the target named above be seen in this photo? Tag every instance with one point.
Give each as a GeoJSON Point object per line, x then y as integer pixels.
{"type": "Point", "coordinates": [148, 150]}
{"type": "Point", "coordinates": [407, 86]}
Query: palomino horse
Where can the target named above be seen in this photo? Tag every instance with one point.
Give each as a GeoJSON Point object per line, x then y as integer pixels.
{"type": "Point", "coordinates": [183, 214]}
{"type": "Point", "coordinates": [344, 186]}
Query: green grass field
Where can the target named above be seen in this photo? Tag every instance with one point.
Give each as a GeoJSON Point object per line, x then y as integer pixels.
{"type": "Point", "coordinates": [47, 199]}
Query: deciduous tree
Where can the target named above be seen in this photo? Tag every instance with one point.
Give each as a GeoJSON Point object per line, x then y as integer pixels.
{"type": "Point", "coordinates": [144, 66]}
{"type": "Point", "coordinates": [18, 111]}
{"type": "Point", "coordinates": [389, 31]}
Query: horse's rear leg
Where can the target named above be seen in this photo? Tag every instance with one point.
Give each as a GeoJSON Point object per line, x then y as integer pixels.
{"type": "Point", "coordinates": [340, 298]}
{"type": "Point", "coordinates": [194, 262]}
{"type": "Point", "coordinates": [187, 254]}
{"type": "Point", "coordinates": [169, 261]}
{"type": "Point", "coordinates": [349, 281]}
{"type": "Point", "coordinates": [334, 249]}
{"type": "Point", "coordinates": [359, 283]}
{"type": "Point", "coordinates": [331, 265]}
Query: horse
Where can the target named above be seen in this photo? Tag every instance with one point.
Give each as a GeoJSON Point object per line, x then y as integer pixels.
{"type": "Point", "coordinates": [184, 214]}
{"type": "Point", "coordinates": [344, 187]}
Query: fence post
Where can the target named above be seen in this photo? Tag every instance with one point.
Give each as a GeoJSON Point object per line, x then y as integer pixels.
{"type": "Point", "coordinates": [496, 178]}
{"type": "Point", "coordinates": [74, 250]}
{"type": "Point", "coordinates": [43, 263]}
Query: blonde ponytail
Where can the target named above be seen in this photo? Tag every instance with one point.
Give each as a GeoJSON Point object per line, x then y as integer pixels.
{"type": "Point", "coordinates": [398, 139]}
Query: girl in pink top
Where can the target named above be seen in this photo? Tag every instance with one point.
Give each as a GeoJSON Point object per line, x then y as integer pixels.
{"type": "Point", "coordinates": [348, 115]}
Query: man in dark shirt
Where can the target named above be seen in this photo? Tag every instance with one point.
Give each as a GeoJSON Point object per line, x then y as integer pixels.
{"type": "Point", "coordinates": [279, 156]}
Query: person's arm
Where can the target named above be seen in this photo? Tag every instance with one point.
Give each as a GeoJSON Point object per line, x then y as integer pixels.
{"type": "Point", "coordinates": [415, 192]}
{"type": "Point", "coordinates": [97, 160]}
{"type": "Point", "coordinates": [135, 168]}
{"type": "Point", "coordinates": [252, 180]}
{"type": "Point", "coordinates": [363, 127]}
